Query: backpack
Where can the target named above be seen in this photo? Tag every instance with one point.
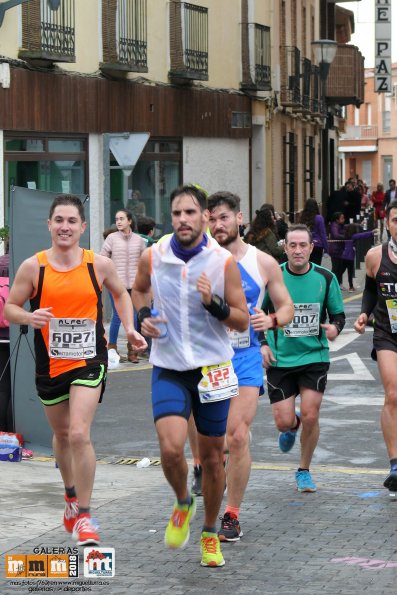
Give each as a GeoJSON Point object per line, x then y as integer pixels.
{"type": "Point", "coordinates": [4, 292]}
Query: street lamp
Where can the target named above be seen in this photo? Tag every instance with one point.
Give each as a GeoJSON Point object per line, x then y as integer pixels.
{"type": "Point", "coordinates": [325, 52]}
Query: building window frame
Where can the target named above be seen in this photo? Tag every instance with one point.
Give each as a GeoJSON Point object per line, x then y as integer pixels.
{"type": "Point", "coordinates": [47, 159]}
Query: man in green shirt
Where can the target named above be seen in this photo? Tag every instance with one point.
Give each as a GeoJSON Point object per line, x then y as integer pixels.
{"type": "Point", "coordinates": [296, 357]}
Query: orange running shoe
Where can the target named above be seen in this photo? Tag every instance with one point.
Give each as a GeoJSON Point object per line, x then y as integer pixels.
{"type": "Point", "coordinates": [84, 531]}
{"type": "Point", "coordinates": [71, 513]}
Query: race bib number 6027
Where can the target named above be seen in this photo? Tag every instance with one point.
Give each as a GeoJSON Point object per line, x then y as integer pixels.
{"type": "Point", "coordinates": [72, 338]}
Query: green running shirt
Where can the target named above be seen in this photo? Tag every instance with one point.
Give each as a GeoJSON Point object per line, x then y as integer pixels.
{"type": "Point", "coordinates": [316, 296]}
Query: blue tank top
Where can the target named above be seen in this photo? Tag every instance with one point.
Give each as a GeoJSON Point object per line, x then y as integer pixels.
{"type": "Point", "coordinates": [254, 290]}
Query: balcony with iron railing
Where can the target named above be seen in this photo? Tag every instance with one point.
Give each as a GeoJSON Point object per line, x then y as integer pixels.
{"type": "Point", "coordinates": [188, 41]}
{"type": "Point", "coordinates": [124, 34]}
{"type": "Point", "coordinates": [360, 132]}
{"type": "Point", "coordinates": [48, 35]}
{"type": "Point", "coordinates": [300, 84]}
{"type": "Point", "coordinates": [290, 88]}
{"type": "Point", "coordinates": [345, 81]}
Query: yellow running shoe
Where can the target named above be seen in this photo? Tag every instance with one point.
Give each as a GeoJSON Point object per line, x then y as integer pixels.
{"type": "Point", "coordinates": [177, 532]}
{"type": "Point", "coordinates": [211, 554]}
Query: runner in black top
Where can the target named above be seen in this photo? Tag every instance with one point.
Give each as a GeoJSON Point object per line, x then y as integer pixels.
{"type": "Point", "coordinates": [380, 297]}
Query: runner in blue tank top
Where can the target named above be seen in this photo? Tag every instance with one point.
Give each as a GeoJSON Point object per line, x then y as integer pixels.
{"type": "Point", "coordinates": [258, 272]}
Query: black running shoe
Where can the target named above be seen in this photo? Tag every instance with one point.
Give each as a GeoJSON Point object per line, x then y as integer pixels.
{"type": "Point", "coordinates": [391, 481]}
{"type": "Point", "coordinates": [197, 479]}
{"type": "Point", "coordinates": [230, 528]}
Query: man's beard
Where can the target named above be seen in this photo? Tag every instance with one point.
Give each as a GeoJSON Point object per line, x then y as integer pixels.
{"type": "Point", "coordinates": [231, 237]}
{"type": "Point", "coordinates": [186, 242]}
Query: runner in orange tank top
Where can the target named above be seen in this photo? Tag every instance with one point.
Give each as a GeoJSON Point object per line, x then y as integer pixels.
{"type": "Point", "coordinates": [64, 286]}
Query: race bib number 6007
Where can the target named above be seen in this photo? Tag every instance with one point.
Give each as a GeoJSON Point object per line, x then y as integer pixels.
{"type": "Point", "coordinates": [72, 338]}
{"type": "Point", "coordinates": [306, 321]}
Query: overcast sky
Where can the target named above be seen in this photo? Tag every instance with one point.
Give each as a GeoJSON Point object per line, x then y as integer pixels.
{"type": "Point", "coordinates": [364, 35]}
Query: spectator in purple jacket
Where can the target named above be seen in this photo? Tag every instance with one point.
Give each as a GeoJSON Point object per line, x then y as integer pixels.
{"type": "Point", "coordinates": [337, 244]}
{"type": "Point", "coordinates": [349, 252]}
{"type": "Point", "coordinates": [311, 217]}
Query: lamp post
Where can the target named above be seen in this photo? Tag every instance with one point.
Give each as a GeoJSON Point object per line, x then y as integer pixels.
{"type": "Point", "coordinates": [325, 52]}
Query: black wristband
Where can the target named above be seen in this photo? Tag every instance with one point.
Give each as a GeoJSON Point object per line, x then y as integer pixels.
{"type": "Point", "coordinates": [262, 338]}
{"type": "Point", "coordinates": [338, 320]}
{"type": "Point", "coordinates": [143, 313]}
{"type": "Point", "coordinates": [218, 307]}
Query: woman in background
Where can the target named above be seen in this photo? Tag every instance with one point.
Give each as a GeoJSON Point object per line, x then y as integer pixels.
{"type": "Point", "coordinates": [311, 217]}
{"type": "Point", "coordinates": [263, 235]}
{"type": "Point", "coordinates": [349, 251]}
{"type": "Point", "coordinates": [124, 247]}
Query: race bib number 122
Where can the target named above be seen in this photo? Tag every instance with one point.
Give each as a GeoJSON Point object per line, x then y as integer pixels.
{"type": "Point", "coordinates": [219, 382]}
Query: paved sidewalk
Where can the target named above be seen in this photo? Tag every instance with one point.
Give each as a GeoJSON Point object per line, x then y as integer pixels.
{"type": "Point", "coordinates": [339, 540]}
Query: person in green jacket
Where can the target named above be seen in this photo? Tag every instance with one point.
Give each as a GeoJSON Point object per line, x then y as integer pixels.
{"type": "Point", "coordinates": [296, 357]}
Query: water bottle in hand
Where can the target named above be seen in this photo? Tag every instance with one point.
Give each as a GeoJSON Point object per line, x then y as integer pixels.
{"type": "Point", "coordinates": [162, 326]}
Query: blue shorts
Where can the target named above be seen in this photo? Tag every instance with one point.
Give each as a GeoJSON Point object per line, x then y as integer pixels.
{"type": "Point", "coordinates": [176, 393]}
{"type": "Point", "coordinates": [248, 368]}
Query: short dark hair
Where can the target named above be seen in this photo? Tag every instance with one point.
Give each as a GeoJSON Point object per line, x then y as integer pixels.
{"type": "Point", "coordinates": [298, 227]}
{"type": "Point", "coordinates": [392, 205]}
{"type": "Point", "coordinates": [67, 199]}
{"type": "Point", "coordinates": [224, 197]}
{"type": "Point", "coordinates": [145, 225]}
{"type": "Point", "coordinates": [195, 192]}
{"type": "Point", "coordinates": [394, 181]}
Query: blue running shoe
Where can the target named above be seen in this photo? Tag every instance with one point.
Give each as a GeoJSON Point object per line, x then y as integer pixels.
{"type": "Point", "coordinates": [391, 481]}
{"type": "Point", "coordinates": [304, 482]}
{"type": "Point", "coordinates": [286, 440]}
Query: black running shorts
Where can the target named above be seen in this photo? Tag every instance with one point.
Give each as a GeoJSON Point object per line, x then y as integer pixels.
{"type": "Point", "coordinates": [383, 341]}
{"type": "Point", "coordinates": [52, 391]}
{"type": "Point", "coordinates": [283, 383]}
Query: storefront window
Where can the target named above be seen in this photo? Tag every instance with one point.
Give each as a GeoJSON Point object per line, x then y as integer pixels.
{"type": "Point", "coordinates": [49, 164]}
{"type": "Point", "coordinates": [147, 190]}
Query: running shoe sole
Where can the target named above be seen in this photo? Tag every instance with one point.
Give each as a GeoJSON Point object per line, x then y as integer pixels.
{"type": "Point", "coordinates": [212, 564]}
{"type": "Point", "coordinates": [223, 539]}
{"type": "Point", "coordinates": [311, 490]}
{"type": "Point", "coordinates": [88, 542]}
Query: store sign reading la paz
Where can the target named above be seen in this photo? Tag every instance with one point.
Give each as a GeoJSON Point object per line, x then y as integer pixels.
{"type": "Point", "coordinates": [383, 68]}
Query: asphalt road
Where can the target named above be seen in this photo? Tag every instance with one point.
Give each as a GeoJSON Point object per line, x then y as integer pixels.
{"type": "Point", "coordinates": [350, 427]}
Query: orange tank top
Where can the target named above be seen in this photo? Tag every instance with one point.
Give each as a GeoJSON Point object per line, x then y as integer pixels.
{"type": "Point", "coordinates": [77, 333]}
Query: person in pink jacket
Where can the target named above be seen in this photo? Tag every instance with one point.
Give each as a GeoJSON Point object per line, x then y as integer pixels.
{"type": "Point", "coordinates": [124, 247]}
